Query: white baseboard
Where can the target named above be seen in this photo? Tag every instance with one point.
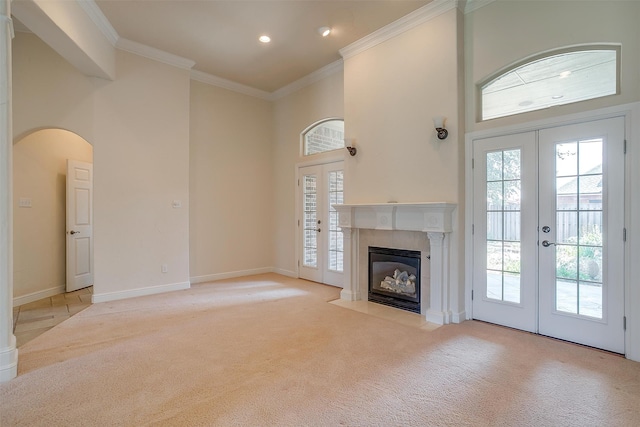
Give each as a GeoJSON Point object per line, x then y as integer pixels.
{"type": "Point", "coordinates": [459, 317]}
{"type": "Point", "coordinates": [35, 296]}
{"type": "Point", "coordinates": [233, 274]}
{"type": "Point", "coordinates": [9, 362]}
{"type": "Point", "coordinates": [131, 293]}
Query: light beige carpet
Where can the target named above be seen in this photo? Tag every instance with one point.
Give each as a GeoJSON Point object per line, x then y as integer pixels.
{"type": "Point", "coordinates": [270, 351]}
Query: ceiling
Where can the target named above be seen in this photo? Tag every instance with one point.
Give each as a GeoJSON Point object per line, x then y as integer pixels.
{"type": "Point", "coordinates": [222, 36]}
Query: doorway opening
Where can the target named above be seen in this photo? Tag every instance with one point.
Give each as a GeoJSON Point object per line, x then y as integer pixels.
{"type": "Point", "coordinates": [40, 232]}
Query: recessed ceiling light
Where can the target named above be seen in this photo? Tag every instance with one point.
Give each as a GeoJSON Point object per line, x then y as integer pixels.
{"type": "Point", "coordinates": [565, 74]}
{"type": "Point", "coordinates": [324, 31]}
{"type": "Point", "coordinates": [557, 97]}
{"type": "Point", "coordinates": [264, 39]}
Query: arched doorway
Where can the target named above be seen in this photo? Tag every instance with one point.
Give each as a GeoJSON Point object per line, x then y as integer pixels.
{"type": "Point", "coordinates": [39, 221]}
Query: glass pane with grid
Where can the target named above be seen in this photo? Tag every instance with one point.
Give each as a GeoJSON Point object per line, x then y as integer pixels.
{"type": "Point", "coordinates": [503, 183]}
{"type": "Point", "coordinates": [325, 136]}
{"type": "Point", "coordinates": [336, 196]}
{"type": "Point", "coordinates": [310, 219]}
{"type": "Point", "coordinates": [579, 225]}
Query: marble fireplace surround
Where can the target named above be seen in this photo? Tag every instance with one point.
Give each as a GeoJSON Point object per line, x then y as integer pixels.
{"type": "Point", "coordinates": [400, 223]}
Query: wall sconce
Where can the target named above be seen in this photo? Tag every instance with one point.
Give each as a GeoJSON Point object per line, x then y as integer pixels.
{"type": "Point", "coordinates": [350, 145]}
{"type": "Point", "coordinates": [439, 125]}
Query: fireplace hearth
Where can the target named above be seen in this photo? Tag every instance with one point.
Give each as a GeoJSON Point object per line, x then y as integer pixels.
{"type": "Point", "coordinates": [394, 278]}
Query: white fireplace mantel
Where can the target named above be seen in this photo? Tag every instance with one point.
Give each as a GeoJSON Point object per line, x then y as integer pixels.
{"type": "Point", "coordinates": [433, 218]}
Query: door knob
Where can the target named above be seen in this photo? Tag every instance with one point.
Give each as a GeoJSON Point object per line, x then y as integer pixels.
{"type": "Point", "coordinates": [72, 232]}
{"type": "Point", "coordinates": [547, 243]}
{"type": "Point", "coordinates": [319, 230]}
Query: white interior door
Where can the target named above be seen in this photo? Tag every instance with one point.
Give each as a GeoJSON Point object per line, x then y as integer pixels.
{"type": "Point", "coordinates": [581, 233]}
{"type": "Point", "coordinates": [320, 257]}
{"type": "Point", "coordinates": [79, 225]}
{"type": "Point", "coordinates": [548, 232]}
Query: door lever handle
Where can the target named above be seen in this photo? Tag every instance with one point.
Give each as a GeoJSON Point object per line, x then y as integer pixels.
{"type": "Point", "coordinates": [547, 243]}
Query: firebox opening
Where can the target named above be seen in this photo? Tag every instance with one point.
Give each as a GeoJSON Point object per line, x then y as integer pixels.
{"type": "Point", "coordinates": [394, 278]}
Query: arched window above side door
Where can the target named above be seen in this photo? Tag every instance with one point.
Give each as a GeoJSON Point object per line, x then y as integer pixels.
{"type": "Point", "coordinates": [325, 135]}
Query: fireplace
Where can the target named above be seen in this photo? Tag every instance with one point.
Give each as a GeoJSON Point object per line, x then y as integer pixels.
{"type": "Point", "coordinates": [394, 278]}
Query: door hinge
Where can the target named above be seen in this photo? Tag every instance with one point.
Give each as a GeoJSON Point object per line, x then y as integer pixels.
{"type": "Point", "coordinates": [624, 323]}
{"type": "Point", "coordinates": [625, 146]}
{"type": "Point", "coordinates": [473, 163]}
{"type": "Point", "coordinates": [624, 234]}
{"type": "Point", "coordinates": [473, 229]}
{"type": "Point", "coordinates": [298, 183]}
{"type": "Point", "coordinates": [298, 223]}
{"type": "Point", "coordinates": [471, 294]}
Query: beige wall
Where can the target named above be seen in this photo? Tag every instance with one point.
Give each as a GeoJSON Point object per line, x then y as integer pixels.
{"type": "Point", "coordinates": [231, 183]}
{"type": "Point", "coordinates": [39, 238]}
{"type": "Point", "coordinates": [139, 128]}
{"type": "Point", "coordinates": [292, 115]}
{"type": "Point", "coordinates": [505, 32]}
{"type": "Point", "coordinates": [392, 92]}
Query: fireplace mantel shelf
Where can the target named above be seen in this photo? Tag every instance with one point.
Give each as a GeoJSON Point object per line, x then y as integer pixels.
{"type": "Point", "coordinates": [433, 218]}
{"type": "Point", "coordinates": [426, 217]}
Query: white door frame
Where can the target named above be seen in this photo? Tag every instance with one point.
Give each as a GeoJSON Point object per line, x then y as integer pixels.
{"type": "Point", "coordinates": [631, 113]}
{"type": "Point", "coordinates": [325, 159]}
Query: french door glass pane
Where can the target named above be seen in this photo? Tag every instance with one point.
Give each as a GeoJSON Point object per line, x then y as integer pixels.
{"type": "Point", "coordinates": [336, 196]}
{"type": "Point", "coordinates": [579, 227]}
{"type": "Point", "coordinates": [503, 225]}
{"type": "Point", "coordinates": [310, 250]}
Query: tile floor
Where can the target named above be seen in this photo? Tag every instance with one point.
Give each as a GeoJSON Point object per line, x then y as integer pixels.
{"type": "Point", "coordinates": [389, 313]}
{"type": "Point", "coordinates": [35, 318]}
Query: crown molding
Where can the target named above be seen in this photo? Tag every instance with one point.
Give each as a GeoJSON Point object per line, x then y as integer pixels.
{"type": "Point", "coordinates": [91, 8]}
{"type": "Point", "coordinates": [412, 20]}
{"type": "Point", "coordinates": [326, 71]}
{"type": "Point", "coordinates": [307, 80]}
{"type": "Point", "coordinates": [229, 85]}
{"type": "Point", "coordinates": [155, 54]}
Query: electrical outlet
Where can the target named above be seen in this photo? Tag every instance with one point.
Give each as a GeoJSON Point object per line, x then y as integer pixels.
{"type": "Point", "coordinates": [164, 268]}
{"type": "Point", "coordinates": [24, 202]}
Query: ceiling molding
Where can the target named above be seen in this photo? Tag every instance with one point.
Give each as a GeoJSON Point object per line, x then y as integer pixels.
{"type": "Point", "coordinates": [309, 79]}
{"type": "Point", "coordinates": [91, 8]}
{"type": "Point", "coordinates": [229, 85]}
{"type": "Point", "coordinates": [155, 54]}
{"type": "Point", "coordinates": [412, 20]}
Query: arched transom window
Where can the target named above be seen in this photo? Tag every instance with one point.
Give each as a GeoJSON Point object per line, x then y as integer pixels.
{"type": "Point", "coordinates": [327, 135]}
{"type": "Point", "coordinates": [557, 78]}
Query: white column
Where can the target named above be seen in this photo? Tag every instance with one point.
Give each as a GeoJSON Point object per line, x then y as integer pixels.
{"type": "Point", "coordinates": [8, 351]}
{"type": "Point", "coordinates": [350, 288]}
{"type": "Point", "coordinates": [439, 311]}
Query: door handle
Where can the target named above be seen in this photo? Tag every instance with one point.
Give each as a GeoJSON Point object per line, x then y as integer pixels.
{"type": "Point", "coordinates": [72, 232]}
{"type": "Point", "coordinates": [547, 243]}
{"type": "Point", "coordinates": [319, 230]}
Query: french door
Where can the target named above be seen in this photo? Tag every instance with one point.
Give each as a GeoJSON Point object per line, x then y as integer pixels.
{"type": "Point", "coordinates": [548, 232]}
{"type": "Point", "coordinates": [321, 252]}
